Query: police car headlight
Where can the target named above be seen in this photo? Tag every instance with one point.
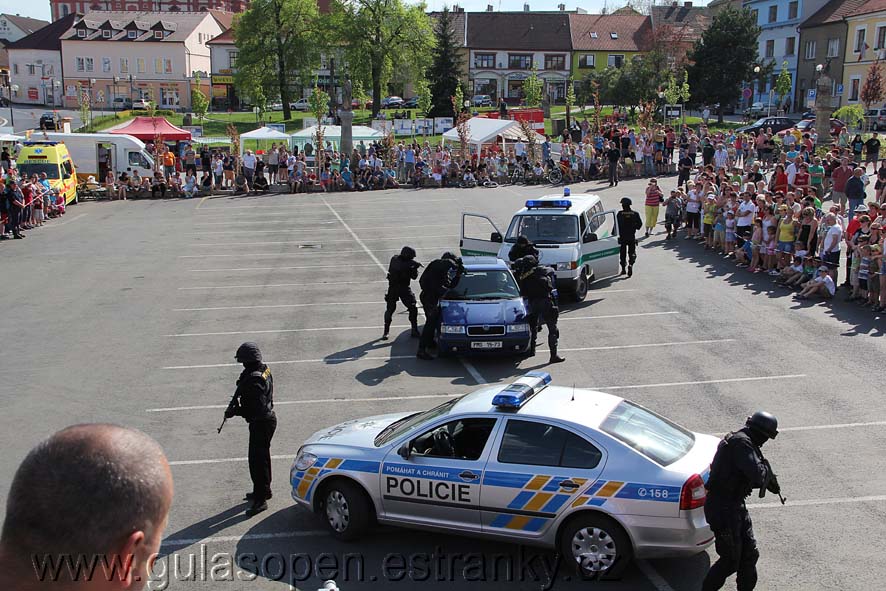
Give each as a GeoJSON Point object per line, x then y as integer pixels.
{"type": "Point", "coordinates": [567, 266]}
{"type": "Point", "coordinates": [518, 327]}
{"type": "Point", "coordinates": [305, 460]}
{"type": "Point", "coordinates": [452, 329]}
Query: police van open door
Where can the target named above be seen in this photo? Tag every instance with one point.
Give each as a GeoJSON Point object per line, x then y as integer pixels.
{"type": "Point", "coordinates": [479, 236]}
{"type": "Point", "coordinates": [599, 248]}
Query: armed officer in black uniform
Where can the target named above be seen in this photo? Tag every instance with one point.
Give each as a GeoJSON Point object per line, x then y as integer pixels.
{"type": "Point", "coordinates": [521, 248]}
{"type": "Point", "coordinates": [738, 468]}
{"type": "Point", "coordinates": [537, 285]}
{"type": "Point", "coordinates": [401, 271]}
{"type": "Point", "coordinates": [628, 223]}
{"type": "Point", "coordinates": [438, 277]}
{"type": "Point", "coordinates": [254, 401]}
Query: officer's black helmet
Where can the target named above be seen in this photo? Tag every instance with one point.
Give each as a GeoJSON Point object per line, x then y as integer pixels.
{"type": "Point", "coordinates": [525, 263]}
{"type": "Point", "coordinates": [521, 239]}
{"type": "Point", "coordinates": [407, 253]}
{"type": "Point", "coordinates": [625, 201]}
{"type": "Point", "coordinates": [248, 353]}
{"type": "Point", "coordinates": [763, 422]}
{"type": "Point", "coordinates": [450, 256]}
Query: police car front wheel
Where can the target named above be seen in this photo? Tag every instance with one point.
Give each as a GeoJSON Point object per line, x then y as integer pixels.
{"type": "Point", "coordinates": [347, 510]}
{"type": "Point", "coordinates": [595, 544]}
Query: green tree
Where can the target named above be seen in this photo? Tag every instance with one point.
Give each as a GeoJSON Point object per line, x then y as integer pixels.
{"type": "Point", "coordinates": [724, 57]}
{"type": "Point", "coordinates": [570, 100]}
{"type": "Point", "coordinates": [359, 94]}
{"type": "Point", "coordinates": [319, 103]}
{"type": "Point", "coordinates": [84, 104]}
{"type": "Point", "coordinates": [381, 37]}
{"type": "Point", "coordinates": [458, 100]}
{"type": "Point", "coordinates": [425, 100]}
{"type": "Point", "coordinates": [532, 88]}
{"type": "Point", "coordinates": [852, 115]}
{"type": "Point", "coordinates": [278, 47]}
{"type": "Point", "coordinates": [199, 102]}
{"type": "Point", "coordinates": [872, 89]}
{"type": "Point", "coordinates": [783, 83]}
{"type": "Point", "coordinates": [446, 65]}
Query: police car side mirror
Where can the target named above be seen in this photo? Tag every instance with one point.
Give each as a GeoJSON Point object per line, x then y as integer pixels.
{"type": "Point", "coordinates": [495, 237]}
{"type": "Point", "coordinates": [591, 237]}
{"type": "Point", "coordinates": [403, 452]}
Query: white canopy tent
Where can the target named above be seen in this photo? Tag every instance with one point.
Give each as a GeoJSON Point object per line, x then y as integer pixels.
{"type": "Point", "coordinates": [332, 133]}
{"type": "Point", "coordinates": [482, 130]}
{"type": "Point", "coordinates": [263, 134]}
{"type": "Point", "coordinates": [9, 137]}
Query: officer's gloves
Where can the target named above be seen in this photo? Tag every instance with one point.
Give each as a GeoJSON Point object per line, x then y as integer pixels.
{"type": "Point", "coordinates": [773, 485]}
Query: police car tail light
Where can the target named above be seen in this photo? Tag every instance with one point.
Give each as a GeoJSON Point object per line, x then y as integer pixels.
{"type": "Point", "coordinates": [693, 494]}
{"type": "Point", "coordinates": [516, 395]}
{"type": "Point", "coordinates": [305, 460]}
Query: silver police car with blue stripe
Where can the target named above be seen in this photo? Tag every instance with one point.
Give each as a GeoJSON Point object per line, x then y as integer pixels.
{"type": "Point", "coordinates": [599, 478]}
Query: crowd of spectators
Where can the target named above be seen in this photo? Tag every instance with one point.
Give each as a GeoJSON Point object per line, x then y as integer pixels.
{"type": "Point", "coordinates": [26, 202]}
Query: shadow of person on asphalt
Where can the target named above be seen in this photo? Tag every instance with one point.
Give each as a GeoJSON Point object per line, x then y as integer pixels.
{"type": "Point", "coordinates": [203, 529]}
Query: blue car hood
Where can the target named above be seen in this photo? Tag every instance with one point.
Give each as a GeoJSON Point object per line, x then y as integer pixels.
{"type": "Point", "coordinates": [483, 312]}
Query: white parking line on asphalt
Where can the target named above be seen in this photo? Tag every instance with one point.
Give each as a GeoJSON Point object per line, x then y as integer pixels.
{"type": "Point", "coordinates": [248, 221]}
{"type": "Point", "coordinates": [289, 214]}
{"type": "Point", "coordinates": [700, 382]}
{"type": "Point", "coordinates": [246, 537]}
{"type": "Point", "coordinates": [312, 401]}
{"type": "Point", "coordinates": [287, 231]}
{"type": "Point", "coordinates": [835, 426]}
{"type": "Point", "coordinates": [304, 205]}
{"type": "Point", "coordinates": [813, 502]}
{"type": "Point", "coordinates": [299, 253]}
{"type": "Point", "coordinates": [225, 460]}
{"type": "Point", "coordinates": [278, 268]}
{"type": "Point", "coordinates": [397, 357]}
{"type": "Point", "coordinates": [264, 306]}
{"type": "Point", "coordinates": [323, 241]}
{"type": "Point", "coordinates": [262, 286]}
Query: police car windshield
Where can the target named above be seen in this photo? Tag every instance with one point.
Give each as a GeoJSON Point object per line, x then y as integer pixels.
{"type": "Point", "coordinates": [411, 422]}
{"type": "Point", "coordinates": [484, 285]}
{"type": "Point", "coordinates": [544, 229]}
{"type": "Point", "coordinates": [650, 434]}
{"type": "Point", "coordinates": [27, 169]}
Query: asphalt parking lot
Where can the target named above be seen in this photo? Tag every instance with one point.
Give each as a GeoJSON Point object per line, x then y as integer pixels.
{"type": "Point", "coordinates": [130, 312]}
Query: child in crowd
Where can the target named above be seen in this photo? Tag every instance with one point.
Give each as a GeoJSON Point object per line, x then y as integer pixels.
{"type": "Point", "coordinates": [719, 231]}
{"type": "Point", "coordinates": [771, 244]}
{"type": "Point", "coordinates": [729, 232]}
{"type": "Point", "coordinates": [756, 245]}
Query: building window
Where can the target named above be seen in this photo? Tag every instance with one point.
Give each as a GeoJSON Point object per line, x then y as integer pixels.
{"type": "Point", "coordinates": [106, 64]}
{"type": "Point", "coordinates": [755, 14]}
{"type": "Point", "coordinates": [232, 59]}
{"type": "Point", "coordinates": [790, 45]}
{"type": "Point", "coordinates": [555, 62]}
{"type": "Point", "coordinates": [81, 33]}
{"type": "Point", "coordinates": [773, 13]}
{"type": "Point", "coordinates": [520, 61]}
{"type": "Point", "coordinates": [65, 10]}
{"type": "Point", "coordinates": [854, 85]}
{"type": "Point", "coordinates": [32, 69]}
{"type": "Point", "coordinates": [833, 47]}
{"type": "Point", "coordinates": [859, 40]}
{"type": "Point", "coordinates": [594, 35]}
{"type": "Point", "coordinates": [613, 35]}
{"type": "Point", "coordinates": [106, 34]}
{"type": "Point", "coordinates": [140, 65]}
{"type": "Point", "coordinates": [615, 61]}
{"type": "Point", "coordinates": [132, 34]}
{"type": "Point", "coordinates": [484, 60]}
{"type": "Point", "coordinates": [84, 64]}
{"type": "Point", "coordinates": [158, 34]}
{"type": "Point", "coordinates": [792, 9]}
{"type": "Point", "coordinates": [809, 51]}
{"type": "Point", "coordinates": [770, 48]}
{"type": "Point", "coordinates": [158, 65]}
{"type": "Point", "coordinates": [167, 66]}
{"type": "Point", "coordinates": [15, 69]}
{"type": "Point", "coordinates": [881, 38]}
{"type": "Point", "coordinates": [586, 61]}
{"type": "Point", "coordinates": [124, 65]}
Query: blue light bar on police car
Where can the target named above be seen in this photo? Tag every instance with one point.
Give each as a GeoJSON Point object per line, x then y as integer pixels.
{"type": "Point", "coordinates": [517, 394]}
{"type": "Point", "coordinates": [551, 203]}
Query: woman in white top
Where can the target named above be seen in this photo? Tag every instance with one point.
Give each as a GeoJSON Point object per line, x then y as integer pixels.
{"type": "Point", "coordinates": [693, 209]}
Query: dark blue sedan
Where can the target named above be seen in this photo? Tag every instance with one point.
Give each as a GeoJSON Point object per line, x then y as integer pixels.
{"type": "Point", "coordinates": [484, 312]}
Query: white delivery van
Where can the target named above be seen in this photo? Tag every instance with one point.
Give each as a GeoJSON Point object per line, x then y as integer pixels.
{"type": "Point", "coordinates": [573, 235]}
{"type": "Point", "coordinates": [94, 153]}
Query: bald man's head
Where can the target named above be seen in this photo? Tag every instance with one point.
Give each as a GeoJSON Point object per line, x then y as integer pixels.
{"type": "Point", "coordinates": [87, 490]}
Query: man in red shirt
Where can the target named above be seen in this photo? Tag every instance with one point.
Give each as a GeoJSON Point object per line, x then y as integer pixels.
{"type": "Point", "coordinates": [839, 177]}
{"type": "Point", "coordinates": [851, 228]}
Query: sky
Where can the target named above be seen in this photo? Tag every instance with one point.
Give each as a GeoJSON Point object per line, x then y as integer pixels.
{"type": "Point", "coordinates": [40, 8]}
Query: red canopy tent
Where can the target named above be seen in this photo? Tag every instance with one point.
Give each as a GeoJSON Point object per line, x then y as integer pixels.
{"type": "Point", "coordinates": [147, 128]}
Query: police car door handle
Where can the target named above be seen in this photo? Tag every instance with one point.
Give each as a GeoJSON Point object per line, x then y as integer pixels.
{"type": "Point", "coordinates": [567, 484]}
{"type": "Point", "coordinates": [468, 475]}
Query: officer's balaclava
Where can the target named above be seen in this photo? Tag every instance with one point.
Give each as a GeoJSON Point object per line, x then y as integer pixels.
{"type": "Point", "coordinates": [248, 354]}
{"type": "Point", "coordinates": [757, 437]}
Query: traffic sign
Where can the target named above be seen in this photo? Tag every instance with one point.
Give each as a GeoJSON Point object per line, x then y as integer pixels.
{"type": "Point", "coordinates": [747, 93]}
{"type": "Point", "coordinates": [839, 90]}
{"type": "Point", "coordinates": [811, 94]}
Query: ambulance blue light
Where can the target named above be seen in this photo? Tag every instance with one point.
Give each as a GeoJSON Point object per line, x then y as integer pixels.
{"type": "Point", "coordinates": [513, 396]}
{"type": "Point", "coordinates": [553, 203]}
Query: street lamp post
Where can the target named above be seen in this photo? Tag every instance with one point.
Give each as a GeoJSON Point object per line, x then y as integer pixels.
{"type": "Point", "coordinates": [12, 88]}
{"type": "Point", "coordinates": [131, 89]}
{"type": "Point", "coordinates": [822, 106]}
{"type": "Point", "coordinates": [756, 82]}
{"type": "Point", "coordinates": [91, 85]}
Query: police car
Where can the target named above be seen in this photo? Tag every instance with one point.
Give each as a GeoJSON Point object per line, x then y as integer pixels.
{"type": "Point", "coordinates": [484, 312]}
{"type": "Point", "coordinates": [595, 476]}
{"type": "Point", "coordinates": [573, 234]}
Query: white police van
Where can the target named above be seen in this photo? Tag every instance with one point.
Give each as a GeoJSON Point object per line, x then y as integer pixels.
{"type": "Point", "coordinates": [595, 476]}
{"type": "Point", "coordinates": [573, 234]}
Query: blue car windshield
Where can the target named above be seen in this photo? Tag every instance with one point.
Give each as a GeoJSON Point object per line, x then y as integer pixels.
{"type": "Point", "coordinates": [485, 285]}
{"type": "Point", "coordinates": [544, 229]}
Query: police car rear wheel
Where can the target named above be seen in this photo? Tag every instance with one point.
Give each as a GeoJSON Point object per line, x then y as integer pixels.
{"type": "Point", "coordinates": [595, 544]}
{"type": "Point", "coordinates": [347, 510]}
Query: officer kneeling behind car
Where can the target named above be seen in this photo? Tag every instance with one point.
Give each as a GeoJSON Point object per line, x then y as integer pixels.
{"type": "Point", "coordinates": [738, 467]}
{"type": "Point", "coordinates": [537, 286]}
{"type": "Point", "coordinates": [254, 401]}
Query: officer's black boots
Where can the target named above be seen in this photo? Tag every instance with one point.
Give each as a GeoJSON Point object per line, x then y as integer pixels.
{"type": "Point", "coordinates": [423, 354]}
{"type": "Point", "coordinates": [622, 270]}
{"type": "Point", "coordinates": [251, 496]}
{"type": "Point", "coordinates": [630, 270]}
{"type": "Point", "coordinates": [384, 336]}
{"type": "Point", "coordinates": [257, 508]}
{"type": "Point", "coordinates": [415, 332]}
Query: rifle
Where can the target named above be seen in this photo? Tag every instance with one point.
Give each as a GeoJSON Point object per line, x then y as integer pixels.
{"type": "Point", "coordinates": [772, 477]}
{"type": "Point", "coordinates": [225, 419]}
